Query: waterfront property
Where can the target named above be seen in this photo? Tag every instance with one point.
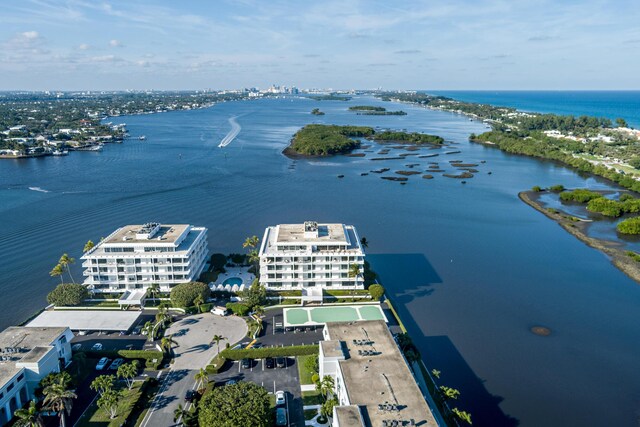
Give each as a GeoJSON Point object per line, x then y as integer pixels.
{"type": "Point", "coordinates": [311, 255]}
{"type": "Point", "coordinates": [313, 316]}
{"type": "Point", "coordinates": [87, 320]}
{"type": "Point", "coordinates": [27, 355]}
{"type": "Point", "coordinates": [233, 279]}
{"type": "Point", "coordinates": [136, 256]}
{"type": "Point", "coordinates": [373, 383]}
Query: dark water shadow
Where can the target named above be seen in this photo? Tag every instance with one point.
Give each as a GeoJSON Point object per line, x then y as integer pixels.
{"type": "Point", "coordinates": [407, 276]}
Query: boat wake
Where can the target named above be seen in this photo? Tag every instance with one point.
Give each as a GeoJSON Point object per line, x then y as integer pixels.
{"type": "Point", "coordinates": [235, 130]}
{"type": "Point", "coordinates": [41, 190]}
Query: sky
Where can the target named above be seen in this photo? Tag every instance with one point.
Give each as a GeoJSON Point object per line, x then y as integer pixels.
{"type": "Point", "coordinates": [344, 44]}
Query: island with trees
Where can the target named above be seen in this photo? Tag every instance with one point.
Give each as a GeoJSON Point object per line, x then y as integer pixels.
{"type": "Point", "coordinates": [598, 205]}
{"type": "Point", "coordinates": [317, 112]}
{"type": "Point", "coordinates": [369, 110]}
{"type": "Point", "coordinates": [327, 140]}
{"type": "Point", "coordinates": [330, 97]}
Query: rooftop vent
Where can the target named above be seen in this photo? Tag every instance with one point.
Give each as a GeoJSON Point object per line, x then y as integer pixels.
{"type": "Point", "coordinates": [148, 230]}
{"type": "Point", "coordinates": [310, 229]}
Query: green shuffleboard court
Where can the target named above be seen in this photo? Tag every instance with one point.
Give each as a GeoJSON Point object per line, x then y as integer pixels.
{"type": "Point", "coordinates": [307, 316]}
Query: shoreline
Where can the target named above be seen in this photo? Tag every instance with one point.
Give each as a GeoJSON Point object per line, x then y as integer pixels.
{"type": "Point", "coordinates": [617, 256]}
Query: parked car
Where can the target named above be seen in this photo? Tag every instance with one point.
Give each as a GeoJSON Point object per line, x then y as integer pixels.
{"type": "Point", "coordinates": [281, 362]}
{"type": "Point", "coordinates": [190, 396]}
{"type": "Point", "coordinates": [96, 347]}
{"type": "Point", "coordinates": [102, 363]}
{"type": "Point", "coordinates": [116, 364]}
{"type": "Point", "coordinates": [281, 399]}
{"type": "Point", "coordinates": [246, 363]}
{"type": "Point", "coordinates": [269, 363]}
{"type": "Point", "coordinates": [281, 416]}
{"type": "Point", "coordinates": [231, 382]}
{"type": "Point", "coordinates": [76, 347]}
{"type": "Point", "coordinates": [136, 330]}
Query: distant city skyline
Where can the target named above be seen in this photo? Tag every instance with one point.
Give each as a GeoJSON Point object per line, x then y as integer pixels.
{"type": "Point", "coordinates": [437, 45]}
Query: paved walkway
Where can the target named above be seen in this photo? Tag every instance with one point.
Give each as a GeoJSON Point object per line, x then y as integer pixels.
{"type": "Point", "coordinates": [194, 351]}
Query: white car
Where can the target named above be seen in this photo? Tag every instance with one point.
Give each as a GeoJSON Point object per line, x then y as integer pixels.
{"type": "Point", "coordinates": [102, 363]}
{"type": "Point", "coordinates": [280, 398]}
{"type": "Point", "coordinates": [97, 347]}
{"type": "Point", "coordinates": [76, 347]}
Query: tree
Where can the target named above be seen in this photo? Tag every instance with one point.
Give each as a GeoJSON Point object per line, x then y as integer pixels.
{"type": "Point", "coordinates": [80, 361]}
{"type": "Point", "coordinates": [109, 402]}
{"type": "Point", "coordinates": [634, 162]}
{"type": "Point", "coordinates": [185, 294]}
{"type": "Point", "coordinates": [364, 242]}
{"type": "Point", "coordinates": [166, 343]}
{"type": "Point", "coordinates": [449, 393]}
{"type": "Point", "coordinates": [88, 246]}
{"type": "Point", "coordinates": [198, 303]}
{"type": "Point", "coordinates": [59, 399]}
{"type": "Point", "coordinates": [62, 379]}
{"type": "Point", "coordinates": [147, 330]}
{"type": "Point", "coordinates": [179, 413]}
{"type": "Point", "coordinates": [28, 417]}
{"type": "Point", "coordinates": [202, 379]}
{"type": "Point", "coordinates": [153, 290]}
{"type": "Point", "coordinates": [326, 386]}
{"type": "Point", "coordinates": [354, 270]}
{"type": "Point", "coordinates": [240, 404]}
{"type": "Point", "coordinates": [103, 383]}
{"type": "Point", "coordinates": [621, 122]}
{"type": "Point", "coordinates": [376, 291]}
{"type": "Point", "coordinates": [326, 410]}
{"type": "Point", "coordinates": [68, 294]}
{"type": "Point", "coordinates": [251, 242]}
{"type": "Point", "coordinates": [254, 258]}
{"type": "Point", "coordinates": [463, 415]}
{"type": "Point", "coordinates": [57, 271]}
{"type": "Point", "coordinates": [217, 338]}
{"type": "Point", "coordinates": [255, 295]}
{"type": "Point", "coordinates": [436, 373]}
{"type": "Point", "coordinates": [65, 262]}
{"type": "Point", "coordinates": [128, 372]}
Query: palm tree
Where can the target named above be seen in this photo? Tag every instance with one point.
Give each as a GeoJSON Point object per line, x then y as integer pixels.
{"type": "Point", "coordinates": [364, 242]}
{"type": "Point", "coordinates": [217, 339]}
{"type": "Point", "coordinates": [59, 399]}
{"type": "Point", "coordinates": [102, 384]}
{"type": "Point", "coordinates": [326, 386]}
{"type": "Point", "coordinates": [254, 258]}
{"type": "Point", "coordinates": [57, 271]}
{"type": "Point", "coordinates": [148, 329]}
{"type": "Point", "coordinates": [128, 372]}
{"type": "Point", "coordinates": [198, 301]}
{"type": "Point", "coordinates": [251, 242]}
{"type": "Point", "coordinates": [354, 271]}
{"type": "Point", "coordinates": [153, 290]}
{"type": "Point", "coordinates": [179, 413]}
{"type": "Point", "coordinates": [65, 261]}
{"type": "Point", "coordinates": [88, 246]}
{"type": "Point", "coordinates": [80, 359]}
{"type": "Point", "coordinates": [202, 378]}
{"type": "Point", "coordinates": [166, 343]}
{"type": "Point", "coordinates": [28, 417]}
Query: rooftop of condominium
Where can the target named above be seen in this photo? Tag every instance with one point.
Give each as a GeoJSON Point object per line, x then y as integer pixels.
{"type": "Point", "coordinates": [376, 375]}
{"type": "Point", "coordinates": [303, 233]}
{"type": "Point", "coordinates": [147, 233]}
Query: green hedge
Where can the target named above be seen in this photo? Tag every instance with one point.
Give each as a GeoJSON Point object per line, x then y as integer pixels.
{"type": "Point", "coordinates": [146, 355]}
{"type": "Point", "coordinates": [261, 353]}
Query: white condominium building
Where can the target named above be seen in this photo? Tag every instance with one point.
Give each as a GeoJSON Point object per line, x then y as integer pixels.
{"type": "Point", "coordinates": [301, 256]}
{"type": "Point", "coordinates": [27, 355]}
{"type": "Point", "coordinates": [136, 256]}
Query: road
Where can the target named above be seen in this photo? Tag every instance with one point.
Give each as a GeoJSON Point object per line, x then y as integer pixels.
{"type": "Point", "coordinates": [194, 351]}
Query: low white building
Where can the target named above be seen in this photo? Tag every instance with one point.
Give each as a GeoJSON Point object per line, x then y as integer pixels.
{"type": "Point", "coordinates": [136, 256]}
{"type": "Point", "coordinates": [311, 255]}
{"type": "Point", "coordinates": [28, 354]}
{"type": "Point", "coordinates": [373, 383]}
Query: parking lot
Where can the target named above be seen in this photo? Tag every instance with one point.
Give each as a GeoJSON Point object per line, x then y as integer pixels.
{"type": "Point", "coordinates": [275, 333]}
{"type": "Point", "coordinates": [274, 379]}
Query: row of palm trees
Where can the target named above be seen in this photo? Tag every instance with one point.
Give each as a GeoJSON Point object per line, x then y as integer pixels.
{"type": "Point", "coordinates": [57, 397]}
{"type": "Point", "coordinates": [66, 261]}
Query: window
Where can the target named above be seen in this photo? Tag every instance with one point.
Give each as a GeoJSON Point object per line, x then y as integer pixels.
{"type": "Point", "coordinates": [20, 377]}
{"type": "Point", "coordinates": [10, 387]}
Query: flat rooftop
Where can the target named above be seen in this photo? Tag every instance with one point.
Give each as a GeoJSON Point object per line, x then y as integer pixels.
{"type": "Point", "coordinates": [168, 233]}
{"type": "Point", "coordinates": [87, 320]}
{"type": "Point", "coordinates": [27, 344]}
{"type": "Point", "coordinates": [327, 233]}
{"type": "Point", "coordinates": [375, 374]}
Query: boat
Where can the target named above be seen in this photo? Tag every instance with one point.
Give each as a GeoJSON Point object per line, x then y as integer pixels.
{"type": "Point", "coordinates": [142, 138]}
{"type": "Point", "coordinates": [59, 152]}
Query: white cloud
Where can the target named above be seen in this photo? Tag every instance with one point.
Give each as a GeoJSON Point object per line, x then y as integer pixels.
{"type": "Point", "coordinates": [115, 43]}
{"type": "Point", "coordinates": [105, 58]}
{"type": "Point", "coordinates": [84, 46]}
{"type": "Point", "coordinates": [30, 35]}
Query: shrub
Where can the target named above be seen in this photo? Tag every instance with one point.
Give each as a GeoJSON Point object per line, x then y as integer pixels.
{"type": "Point", "coordinates": [579, 195]}
{"type": "Point", "coordinates": [311, 364]}
{"type": "Point", "coordinates": [238, 309]}
{"type": "Point", "coordinates": [260, 353]}
{"type": "Point", "coordinates": [240, 404]}
{"type": "Point", "coordinates": [605, 206]}
{"type": "Point", "coordinates": [629, 226]}
{"type": "Point", "coordinates": [376, 291]}
{"type": "Point", "coordinates": [218, 261]}
{"type": "Point", "coordinates": [68, 294]}
{"type": "Point", "coordinates": [536, 188]}
{"type": "Point", "coordinates": [557, 188]}
{"type": "Point", "coordinates": [184, 294]}
{"type": "Point", "coordinates": [147, 356]}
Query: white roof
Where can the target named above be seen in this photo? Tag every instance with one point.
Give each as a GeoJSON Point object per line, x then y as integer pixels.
{"type": "Point", "coordinates": [87, 320]}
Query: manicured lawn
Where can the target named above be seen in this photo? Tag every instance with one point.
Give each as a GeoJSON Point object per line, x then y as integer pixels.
{"type": "Point", "coordinates": [98, 416]}
{"type": "Point", "coordinates": [311, 398]}
{"type": "Point", "coordinates": [305, 374]}
{"type": "Point", "coordinates": [145, 403]}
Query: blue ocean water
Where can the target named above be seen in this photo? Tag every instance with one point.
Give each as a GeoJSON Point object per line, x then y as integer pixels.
{"type": "Point", "coordinates": [609, 104]}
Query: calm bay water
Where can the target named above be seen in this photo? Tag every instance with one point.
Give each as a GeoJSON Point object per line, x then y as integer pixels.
{"type": "Point", "coordinates": [609, 104]}
{"type": "Point", "coordinates": [470, 267]}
